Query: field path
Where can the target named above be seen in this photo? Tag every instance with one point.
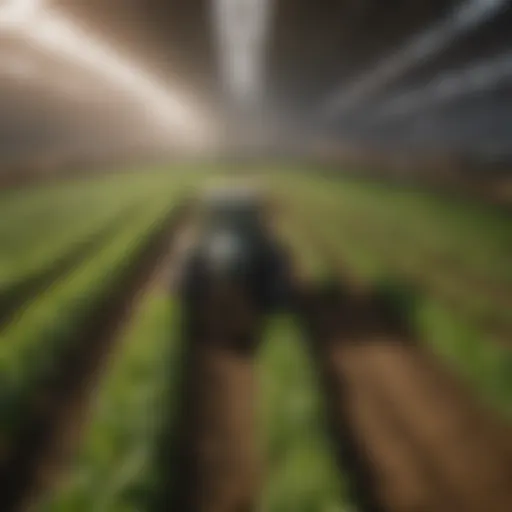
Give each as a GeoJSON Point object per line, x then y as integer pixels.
{"type": "Point", "coordinates": [414, 436]}
{"type": "Point", "coordinates": [217, 467]}
{"type": "Point", "coordinates": [220, 466]}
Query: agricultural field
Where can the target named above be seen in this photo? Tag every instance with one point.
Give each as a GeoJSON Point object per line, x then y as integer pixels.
{"type": "Point", "coordinates": [92, 355]}
{"type": "Point", "coordinates": [118, 465]}
{"type": "Point", "coordinates": [445, 263]}
{"type": "Point", "coordinates": [302, 471]}
{"type": "Point", "coordinates": [67, 252]}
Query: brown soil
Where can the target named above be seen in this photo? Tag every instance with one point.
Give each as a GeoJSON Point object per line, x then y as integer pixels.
{"type": "Point", "coordinates": [429, 279]}
{"type": "Point", "coordinates": [220, 467]}
{"type": "Point", "coordinates": [413, 437]}
{"type": "Point", "coordinates": [42, 444]}
{"type": "Point", "coordinates": [409, 434]}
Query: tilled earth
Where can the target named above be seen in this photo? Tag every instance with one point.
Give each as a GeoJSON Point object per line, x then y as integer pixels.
{"type": "Point", "coordinates": [221, 470]}
{"type": "Point", "coordinates": [410, 437]}
{"type": "Point", "coordinates": [414, 437]}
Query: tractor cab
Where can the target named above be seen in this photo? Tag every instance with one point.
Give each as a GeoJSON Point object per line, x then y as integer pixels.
{"type": "Point", "coordinates": [235, 249]}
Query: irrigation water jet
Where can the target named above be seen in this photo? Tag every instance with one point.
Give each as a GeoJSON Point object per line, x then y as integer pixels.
{"type": "Point", "coordinates": [241, 29]}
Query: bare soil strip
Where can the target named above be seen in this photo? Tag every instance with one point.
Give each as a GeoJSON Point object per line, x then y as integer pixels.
{"type": "Point", "coordinates": [415, 439]}
{"type": "Point", "coordinates": [218, 468]}
{"type": "Point", "coordinates": [46, 440]}
{"type": "Point", "coordinates": [218, 462]}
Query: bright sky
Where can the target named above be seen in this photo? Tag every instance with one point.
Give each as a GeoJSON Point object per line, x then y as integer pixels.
{"type": "Point", "coordinates": [51, 32]}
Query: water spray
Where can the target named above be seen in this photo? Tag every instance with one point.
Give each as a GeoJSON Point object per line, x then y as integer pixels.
{"type": "Point", "coordinates": [241, 28]}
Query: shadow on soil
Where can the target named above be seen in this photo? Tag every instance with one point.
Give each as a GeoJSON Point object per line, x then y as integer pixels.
{"type": "Point", "coordinates": [387, 308]}
{"type": "Point", "coordinates": [331, 313]}
{"type": "Point", "coordinates": [186, 474]}
{"type": "Point", "coordinates": [323, 312]}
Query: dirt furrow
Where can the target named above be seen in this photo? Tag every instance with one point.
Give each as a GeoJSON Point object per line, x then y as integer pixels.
{"type": "Point", "coordinates": [424, 443]}
{"type": "Point", "coordinates": [468, 457]}
{"type": "Point", "coordinates": [220, 467]}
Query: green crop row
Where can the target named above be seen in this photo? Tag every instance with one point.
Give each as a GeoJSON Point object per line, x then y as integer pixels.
{"type": "Point", "coordinates": [371, 255]}
{"type": "Point", "coordinates": [72, 214]}
{"type": "Point", "coordinates": [31, 347]}
{"type": "Point", "coordinates": [302, 475]}
{"type": "Point", "coordinates": [484, 363]}
{"type": "Point", "coordinates": [474, 240]}
{"type": "Point", "coordinates": [117, 467]}
{"type": "Point", "coordinates": [29, 216]}
{"type": "Point", "coordinates": [63, 243]}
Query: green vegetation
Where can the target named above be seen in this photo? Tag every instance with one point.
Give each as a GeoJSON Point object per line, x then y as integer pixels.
{"type": "Point", "coordinates": [302, 475]}
{"type": "Point", "coordinates": [45, 224]}
{"type": "Point", "coordinates": [454, 257]}
{"type": "Point", "coordinates": [28, 216]}
{"type": "Point", "coordinates": [32, 345]}
{"type": "Point", "coordinates": [117, 467]}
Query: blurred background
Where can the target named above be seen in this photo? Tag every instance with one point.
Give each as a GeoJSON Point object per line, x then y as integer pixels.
{"type": "Point", "coordinates": [383, 133]}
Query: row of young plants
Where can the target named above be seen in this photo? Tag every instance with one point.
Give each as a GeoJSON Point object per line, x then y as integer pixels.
{"type": "Point", "coordinates": [125, 462]}
{"type": "Point", "coordinates": [36, 237]}
{"type": "Point", "coordinates": [374, 242]}
{"type": "Point", "coordinates": [301, 470]}
{"type": "Point", "coordinates": [34, 344]}
{"type": "Point", "coordinates": [474, 237]}
{"type": "Point", "coordinates": [46, 263]}
{"type": "Point", "coordinates": [30, 215]}
{"type": "Point", "coordinates": [118, 466]}
{"type": "Point", "coordinates": [457, 338]}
